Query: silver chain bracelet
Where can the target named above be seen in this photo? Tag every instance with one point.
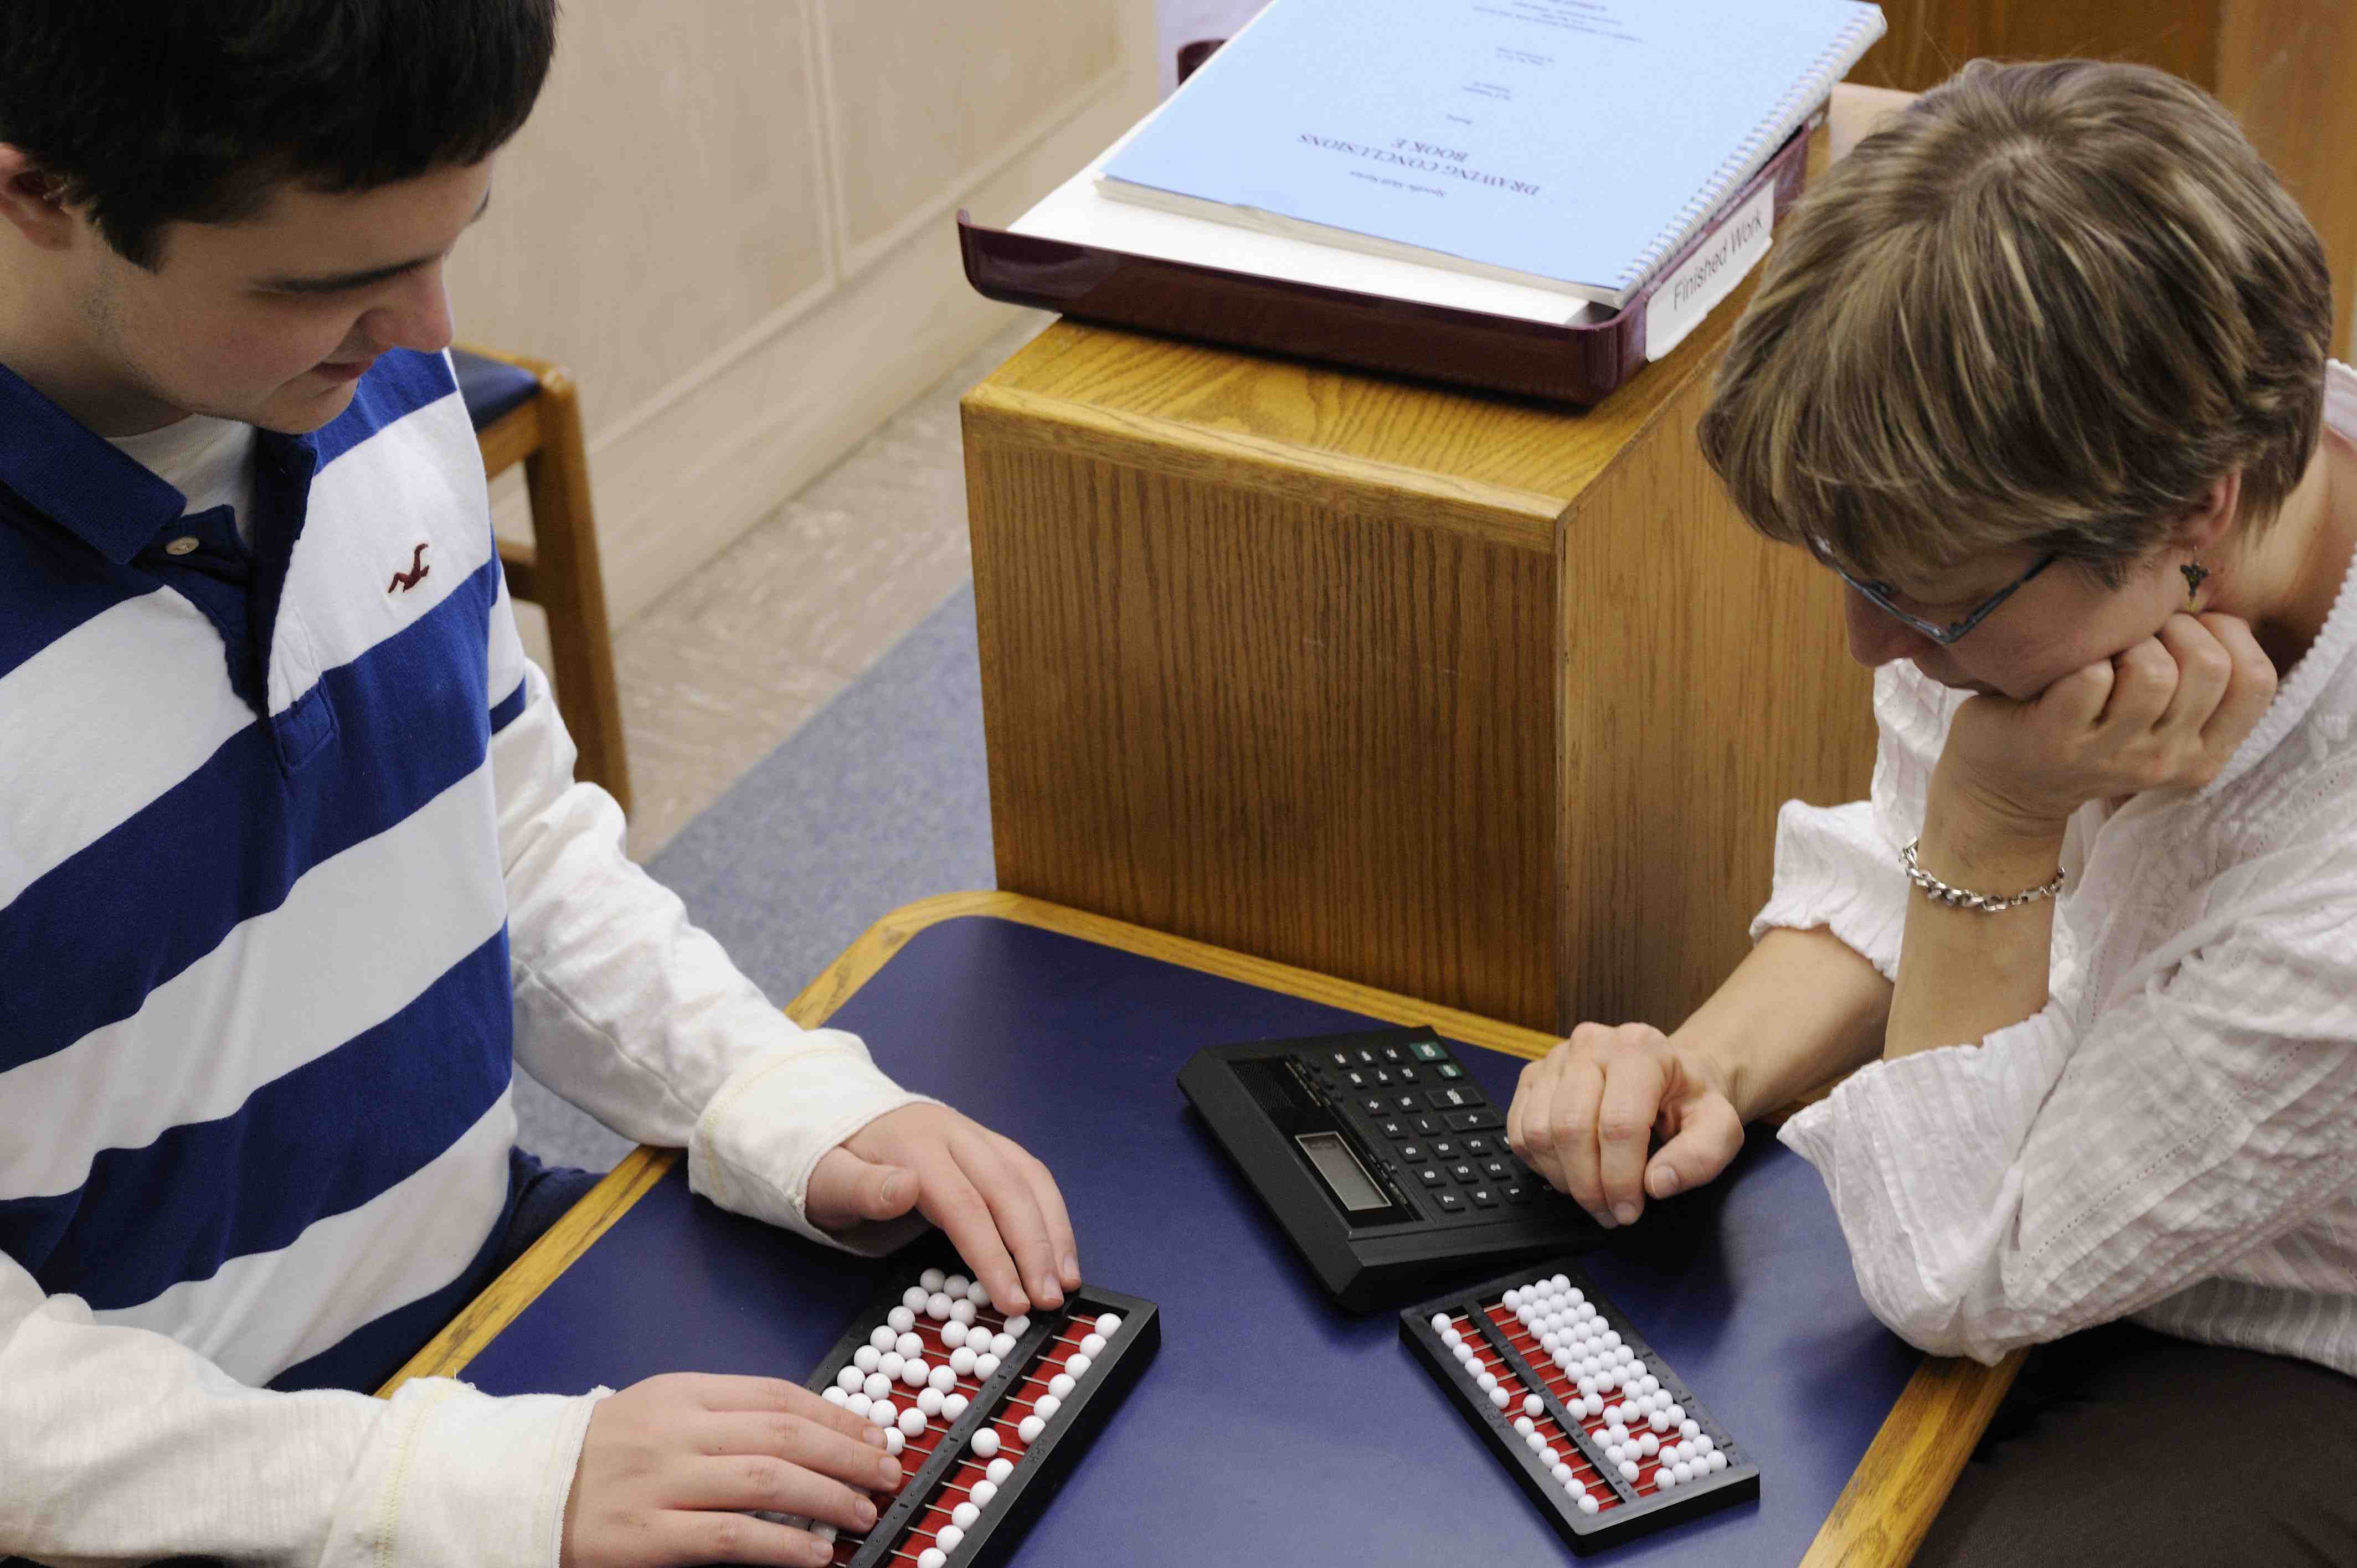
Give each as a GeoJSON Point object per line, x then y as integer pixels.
{"type": "Point", "coordinates": [1939, 892]}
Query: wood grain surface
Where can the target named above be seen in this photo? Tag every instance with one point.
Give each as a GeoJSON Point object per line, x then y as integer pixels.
{"type": "Point", "coordinates": [1879, 1518]}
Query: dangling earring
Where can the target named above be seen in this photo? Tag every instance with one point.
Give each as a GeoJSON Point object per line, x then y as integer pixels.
{"type": "Point", "coordinates": [2194, 573]}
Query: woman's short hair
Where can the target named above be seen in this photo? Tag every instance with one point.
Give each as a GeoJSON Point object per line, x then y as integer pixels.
{"type": "Point", "coordinates": [2045, 306]}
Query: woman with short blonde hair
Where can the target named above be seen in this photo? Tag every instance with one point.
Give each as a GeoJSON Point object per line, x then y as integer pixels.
{"type": "Point", "coordinates": [2039, 371]}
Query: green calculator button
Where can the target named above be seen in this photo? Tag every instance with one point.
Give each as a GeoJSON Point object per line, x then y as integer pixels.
{"type": "Point", "coordinates": [1450, 1071]}
{"type": "Point", "coordinates": [1425, 1050]}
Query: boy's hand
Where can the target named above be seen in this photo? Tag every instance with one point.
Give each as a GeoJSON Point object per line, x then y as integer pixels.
{"type": "Point", "coordinates": [1584, 1117]}
{"type": "Point", "coordinates": [2166, 713]}
{"type": "Point", "coordinates": [671, 1467]}
{"type": "Point", "coordinates": [998, 1205]}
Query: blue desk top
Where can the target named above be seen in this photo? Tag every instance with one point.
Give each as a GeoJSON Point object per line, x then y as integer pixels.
{"type": "Point", "coordinates": [1272, 1428]}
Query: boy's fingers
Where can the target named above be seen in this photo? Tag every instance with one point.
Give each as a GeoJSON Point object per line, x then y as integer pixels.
{"type": "Point", "coordinates": [951, 1202]}
{"type": "Point", "coordinates": [1022, 1228]}
{"type": "Point", "coordinates": [820, 1447]}
{"type": "Point", "coordinates": [1061, 1242]}
{"type": "Point", "coordinates": [726, 1393]}
{"type": "Point", "coordinates": [754, 1481]}
{"type": "Point", "coordinates": [1625, 1114]}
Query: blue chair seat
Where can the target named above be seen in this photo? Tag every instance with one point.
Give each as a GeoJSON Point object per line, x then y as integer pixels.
{"type": "Point", "coordinates": [491, 387]}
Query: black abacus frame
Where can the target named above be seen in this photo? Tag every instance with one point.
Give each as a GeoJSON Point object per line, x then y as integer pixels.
{"type": "Point", "coordinates": [1034, 1481]}
{"type": "Point", "coordinates": [1633, 1516]}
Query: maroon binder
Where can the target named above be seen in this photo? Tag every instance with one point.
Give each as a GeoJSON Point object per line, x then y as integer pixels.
{"type": "Point", "coordinates": [1576, 364]}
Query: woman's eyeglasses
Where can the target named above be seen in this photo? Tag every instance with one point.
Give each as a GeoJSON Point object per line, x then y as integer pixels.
{"type": "Point", "coordinates": [1883, 595]}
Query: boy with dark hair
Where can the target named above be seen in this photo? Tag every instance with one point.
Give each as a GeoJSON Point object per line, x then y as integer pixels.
{"type": "Point", "coordinates": [293, 867]}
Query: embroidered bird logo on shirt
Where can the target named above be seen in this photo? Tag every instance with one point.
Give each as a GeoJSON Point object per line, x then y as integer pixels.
{"type": "Point", "coordinates": [404, 581]}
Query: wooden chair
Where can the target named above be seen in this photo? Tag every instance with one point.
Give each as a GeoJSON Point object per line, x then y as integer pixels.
{"type": "Point", "coordinates": [530, 413]}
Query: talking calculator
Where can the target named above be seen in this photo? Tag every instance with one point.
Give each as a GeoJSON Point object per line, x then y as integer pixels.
{"type": "Point", "coordinates": [1381, 1157]}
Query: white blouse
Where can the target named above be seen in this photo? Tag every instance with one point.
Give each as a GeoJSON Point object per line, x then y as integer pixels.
{"type": "Point", "coordinates": [2173, 1138]}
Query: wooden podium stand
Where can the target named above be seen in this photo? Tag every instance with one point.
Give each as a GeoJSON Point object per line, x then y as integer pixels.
{"type": "Point", "coordinates": [1482, 701]}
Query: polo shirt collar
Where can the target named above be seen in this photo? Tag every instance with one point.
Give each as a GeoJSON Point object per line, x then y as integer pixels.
{"type": "Point", "coordinates": [77, 478]}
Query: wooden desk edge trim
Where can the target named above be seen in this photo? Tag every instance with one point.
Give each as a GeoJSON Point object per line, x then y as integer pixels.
{"type": "Point", "coordinates": [1523, 519]}
{"type": "Point", "coordinates": [1879, 1517]}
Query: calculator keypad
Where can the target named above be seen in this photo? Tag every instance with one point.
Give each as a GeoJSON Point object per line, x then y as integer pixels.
{"type": "Point", "coordinates": [1420, 1111]}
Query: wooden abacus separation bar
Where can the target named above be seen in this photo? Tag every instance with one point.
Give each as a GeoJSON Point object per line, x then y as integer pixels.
{"type": "Point", "coordinates": [1593, 1423]}
{"type": "Point", "coordinates": [986, 1414]}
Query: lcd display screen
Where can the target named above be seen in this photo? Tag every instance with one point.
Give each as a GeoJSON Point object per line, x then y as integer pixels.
{"type": "Point", "coordinates": [1343, 1171]}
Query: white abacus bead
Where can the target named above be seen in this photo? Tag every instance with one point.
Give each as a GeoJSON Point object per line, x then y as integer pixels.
{"type": "Point", "coordinates": [1078, 1365]}
{"type": "Point", "coordinates": [931, 1280]}
{"type": "Point", "coordinates": [912, 1421]}
{"type": "Point", "coordinates": [952, 1406]}
{"type": "Point", "coordinates": [1685, 1470]}
{"type": "Point", "coordinates": [1676, 1411]}
{"type": "Point", "coordinates": [834, 1394]}
{"type": "Point", "coordinates": [955, 1286]}
{"type": "Point", "coordinates": [1615, 1452]}
{"type": "Point", "coordinates": [883, 1338]}
{"type": "Point", "coordinates": [1648, 1444]}
{"type": "Point", "coordinates": [1703, 1442]}
{"type": "Point", "coordinates": [1587, 1504]}
{"type": "Point", "coordinates": [825, 1532]}
{"type": "Point", "coordinates": [984, 1367]}
{"type": "Point", "coordinates": [1550, 1342]}
{"type": "Point", "coordinates": [1659, 1420]}
{"type": "Point", "coordinates": [866, 1359]}
{"type": "Point", "coordinates": [1627, 1469]}
{"type": "Point", "coordinates": [1718, 1458]}
{"type": "Point", "coordinates": [1522, 1424]}
{"type": "Point", "coordinates": [1030, 1427]}
{"type": "Point", "coordinates": [876, 1386]}
{"type": "Point", "coordinates": [1108, 1324]}
{"type": "Point", "coordinates": [1463, 1352]}
{"type": "Point", "coordinates": [849, 1378]}
{"type": "Point", "coordinates": [947, 1536]}
{"type": "Point", "coordinates": [1062, 1385]}
{"type": "Point", "coordinates": [900, 1319]}
{"type": "Point", "coordinates": [929, 1400]}
{"type": "Point", "coordinates": [909, 1344]}
{"type": "Point", "coordinates": [1665, 1477]}
{"type": "Point", "coordinates": [883, 1412]}
{"type": "Point", "coordinates": [933, 1557]}
{"type": "Point", "coordinates": [859, 1405]}
{"type": "Point", "coordinates": [1046, 1405]}
{"type": "Point", "coordinates": [1018, 1323]}
{"type": "Point", "coordinates": [961, 1310]}
{"type": "Point", "coordinates": [1001, 1345]}
{"type": "Point", "coordinates": [953, 1332]}
{"type": "Point", "coordinates": [1487, 1380]}
{"type": "Point", "coordinates": [1532, 1404]}
{"type": "Point", "coordinates": [1615, 1432]}
{"type": "Point", "coordinates": [1449, 1336]}
{"type": "Point", "coordinates": [915, 1373]}
{"type": "Point", "coordinates": [1672, 1453]}
{"type": "Point", "coordinates": [913, 1299]}
{"type": "Point", "coordinates": [985, 1441]}
{"type": "Point", "coordinates": [1514, 1298]}
{"type": "Point", "coordinates": [1612, 1336]}
{"type": "Point", "coordinates": [1650, 1383]}
{"type": "Point", "coordinates": [999, 1470]}
{"type": "Point", "coordinates": [937, 1306]}
{"type": "Point", "coordinates": [1561, 1474]}
{"type": "Point", "coordinates": [942, 1379]}
{"type": "Point", "coordinates": [1593, 1405]}
{"type": "Point", "coordinates": [982, 1492]}
{"type": "Point", "coordinates": [1093, 1345]}
{"type": "Point", "coordinates": [1535, 1442]}
{"type": "Point", "coordinates": [962, 1359]}
{"type": "Point", "coordinates": [1499, 1397]}
{"type": "Point", "coordinates": [1441, 1326]}
{"type": "Point", "coordinates": [964, 1515]}
{"type": "Point", "coordinates": [890, 1362]}
{"type": "Point", "coordinates": [978, 1294]}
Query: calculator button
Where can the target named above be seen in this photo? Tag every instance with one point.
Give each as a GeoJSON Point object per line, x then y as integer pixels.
{"type": "Point", "coordinates": [1453, 1099]}
{"type": "Point", "coordinates": [1465, 1172]}
{"type": "Point", "coordinates": [1517, 1191]}
{"type": "Point", "coordinates": [1449, 1202]}
{"type": "Point", "coordinates": [1496, 1170]}
{"type": "Point", "coordinates": [1377, 1109]}
{"type": "Point", "coordinates": [1431, 1176]}
{"type": "Point", "coordinates": [1450, 1071]}
{"type": "Point", "coordinates": [1338, 1058]}
{"type": "Point", "coordinates": [1407, 1104]}
{"type": "Point", "coordinates": [1427, 1051]}
{"type": "Point", "coordinates": [1394, 1130]}
{"type": "Point", "coordinates": [1404, 1074]}
{"type": "Point", "coordinates": [1366, 1058]}
{"type": "Point", "coordinates": [1480, 1148]}
{"type": "Point", "coordinates": [1355, 1080]}
{"type": "Point", "coordinates": [1484, 1197]}
{"type": "Point", "coordinates": [1444, 1149]}
{"type": "Point", "coordinates": [1382, 1078]}
{"type": "Point", "coordinates": [1413, 1154]}
{"type": "Point", "coordinates": [1475, 1121]}
{"type": "Point", "coordinates": [1391, 1054]}
{"type": "Point", "coordinates": [1430, 1126]}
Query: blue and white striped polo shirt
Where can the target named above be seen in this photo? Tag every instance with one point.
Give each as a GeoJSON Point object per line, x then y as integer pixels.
{"type": "Point", "coordinates": [255, 1010]}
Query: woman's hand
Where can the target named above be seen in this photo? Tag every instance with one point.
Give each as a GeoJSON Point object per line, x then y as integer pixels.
{"type": "Point", "coordinates": [672, 1467]}
{"type": "Point", "coordinates": [1585, 1115]}
{"type": "Point", "coordinates": [2166, 713]}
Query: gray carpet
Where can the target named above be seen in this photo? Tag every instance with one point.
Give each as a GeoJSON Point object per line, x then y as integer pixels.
{"type": "Point", "coordinates": [883, 797]}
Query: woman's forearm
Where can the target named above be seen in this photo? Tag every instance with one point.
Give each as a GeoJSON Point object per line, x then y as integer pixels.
{"type": "Point", "coordinates": [1802, 1009]}
{"type": "Point", "coordinates": [1964, 974]}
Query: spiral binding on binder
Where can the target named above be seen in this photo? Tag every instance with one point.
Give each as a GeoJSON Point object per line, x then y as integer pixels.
{"type": "Point", "coordinates": [1752, 151]}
